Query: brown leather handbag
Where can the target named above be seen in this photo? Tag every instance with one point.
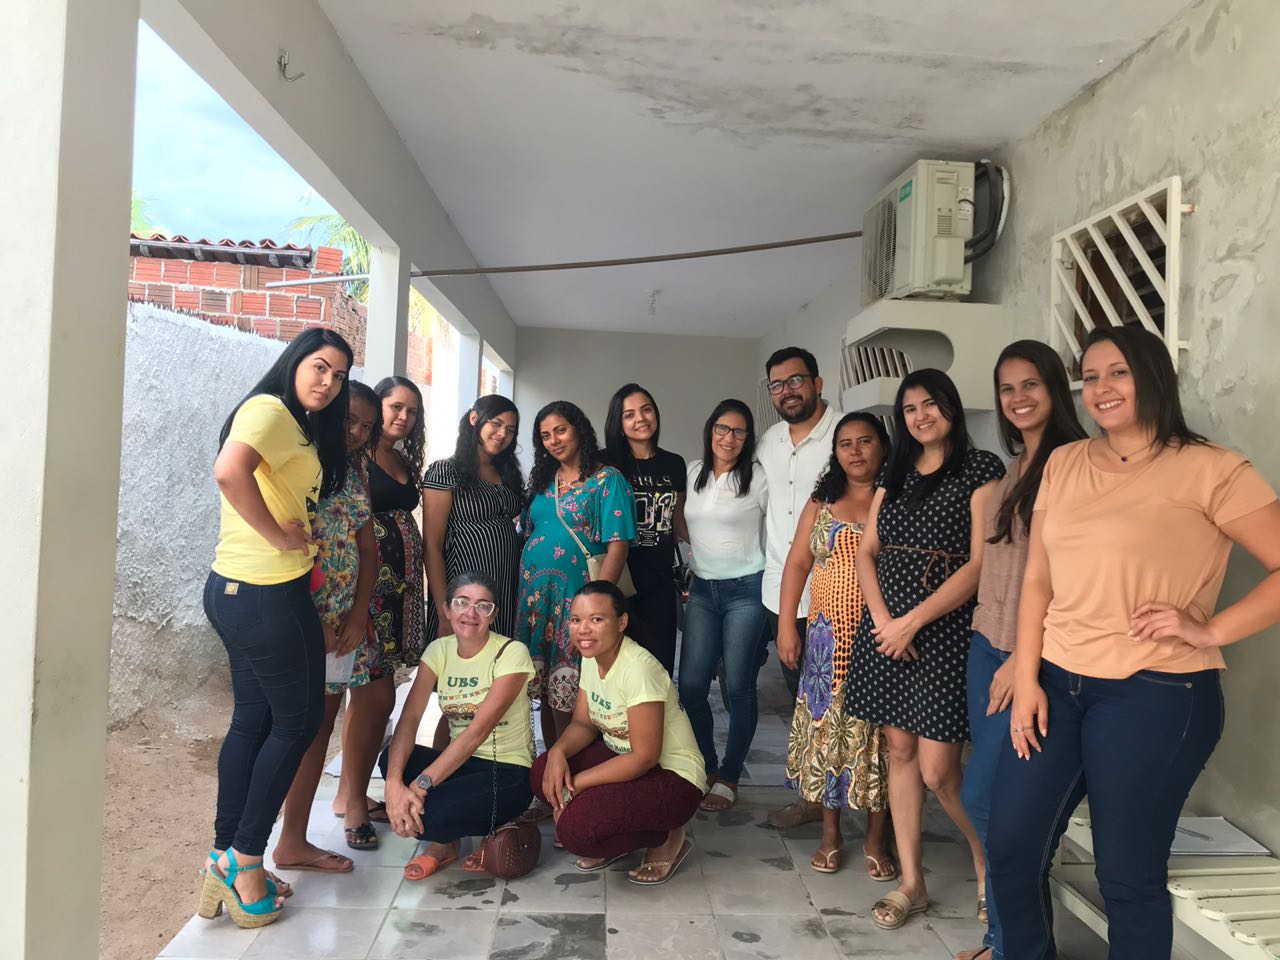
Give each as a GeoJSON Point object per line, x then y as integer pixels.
{"type": "Point", "coordinates": [510, 850]}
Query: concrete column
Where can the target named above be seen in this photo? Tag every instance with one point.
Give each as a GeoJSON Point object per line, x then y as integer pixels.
{"type": "Point", "coordinates": [470, 352]}
{"type": "Point", "coordinates": [387, 336]}
{"type": "Point", "coordinates": [67, 117]}
{"type": "Point", "coordinates": [506, 382]}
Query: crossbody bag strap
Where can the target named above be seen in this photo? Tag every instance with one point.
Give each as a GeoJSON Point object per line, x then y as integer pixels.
{"type": "Point", "coordinates": [493, 670]}
{"type": "Point", "coordinates": [581, 546]}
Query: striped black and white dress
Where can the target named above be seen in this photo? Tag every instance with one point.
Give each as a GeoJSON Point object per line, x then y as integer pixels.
{"type": "Point", "coordinates": [480, 536]}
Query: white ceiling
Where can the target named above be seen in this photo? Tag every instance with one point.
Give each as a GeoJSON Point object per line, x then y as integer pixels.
{"type": "Point", "coordinates": [570, 131]}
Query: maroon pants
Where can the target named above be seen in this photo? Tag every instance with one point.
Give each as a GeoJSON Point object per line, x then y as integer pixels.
{"type": "Point", "coordinates": [616, 818]}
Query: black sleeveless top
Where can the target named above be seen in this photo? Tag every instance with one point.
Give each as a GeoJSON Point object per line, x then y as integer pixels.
{"type": "Point", "coordinates": [386, 493]}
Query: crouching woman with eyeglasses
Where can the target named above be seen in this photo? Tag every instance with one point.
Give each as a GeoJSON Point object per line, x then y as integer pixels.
{"type": "Point", "coordinates": [482, 778]}
{"type": "Point", "coordinates": [626, 774]}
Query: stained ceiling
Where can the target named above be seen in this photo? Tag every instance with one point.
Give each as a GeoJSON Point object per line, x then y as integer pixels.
{"type": "Point", "coordinates": [569, 131]}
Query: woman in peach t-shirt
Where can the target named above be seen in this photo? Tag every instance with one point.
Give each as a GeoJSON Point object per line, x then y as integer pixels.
{"type": "Point", "coordinates": [1116, 692]}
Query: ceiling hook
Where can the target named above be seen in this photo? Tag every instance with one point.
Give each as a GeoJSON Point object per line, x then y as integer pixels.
{"type": "Point", "coordinates": [282, 62]}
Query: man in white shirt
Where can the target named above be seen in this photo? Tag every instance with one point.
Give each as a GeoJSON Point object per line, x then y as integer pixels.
{"type": "Point", "coordinates": [792, 453]}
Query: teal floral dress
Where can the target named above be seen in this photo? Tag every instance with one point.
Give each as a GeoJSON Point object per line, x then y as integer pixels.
{"type": "Point", "coordinates": [553, 568]}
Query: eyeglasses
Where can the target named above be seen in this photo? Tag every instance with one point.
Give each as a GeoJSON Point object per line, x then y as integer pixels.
{"type": "Point", "coordinates": [483, 607]}
{"type": "Point", "coordinates": [794, 382]}
{"type": "Point", "coordinates": [723, 430]}
{"type": "Point", "coordinates": [499, 426]}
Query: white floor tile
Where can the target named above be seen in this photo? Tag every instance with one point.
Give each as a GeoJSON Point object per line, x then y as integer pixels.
{"type": "Point", "coordinates": [217, 939]}
{"type": "Point", "coordinates": [307, 933]}
{"type": "Point", "coordinates": [430, 933]}
{"type": "Point", "coordinates": [643, 937]}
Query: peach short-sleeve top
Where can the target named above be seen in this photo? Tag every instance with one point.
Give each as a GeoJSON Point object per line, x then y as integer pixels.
{"type": "Point", "coordinates": [1118, 540]}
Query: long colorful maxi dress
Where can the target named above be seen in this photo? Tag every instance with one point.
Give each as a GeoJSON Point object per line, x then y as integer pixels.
{"type": "Point", "coordinates": [833, 758]}
{"type": "Point", "coordinates": [553, 568]}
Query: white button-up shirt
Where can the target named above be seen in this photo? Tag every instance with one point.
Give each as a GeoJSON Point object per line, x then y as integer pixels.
{"type": "Point", "coordinates": [726, 531]}
{"type": "Point", "coordinates": [792, 470]}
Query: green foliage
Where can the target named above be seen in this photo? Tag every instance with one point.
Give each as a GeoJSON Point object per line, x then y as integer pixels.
{"type": "Point", "coordinates": [139, 219]}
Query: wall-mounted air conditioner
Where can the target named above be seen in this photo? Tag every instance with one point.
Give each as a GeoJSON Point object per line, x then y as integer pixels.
{"type": "Point", "coordinates": [914, 234]}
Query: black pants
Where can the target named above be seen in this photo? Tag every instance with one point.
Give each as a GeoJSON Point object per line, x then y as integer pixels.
{"type": "Point", "coordinates": [275, 645]}
{"type": "Point", "coordinates": [792, 677]}
{"type": "Point", "coordinates": [654, 606]}
{"type": "Point", "coordinates": [462, 806]}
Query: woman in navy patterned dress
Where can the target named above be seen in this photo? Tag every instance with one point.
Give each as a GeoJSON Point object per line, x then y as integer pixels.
{"type": "Point", "coordinates": [918, 566]}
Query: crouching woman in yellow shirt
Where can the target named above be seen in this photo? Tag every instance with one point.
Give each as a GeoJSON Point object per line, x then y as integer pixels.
{"type": "Point", "coordinates": [626, 774]}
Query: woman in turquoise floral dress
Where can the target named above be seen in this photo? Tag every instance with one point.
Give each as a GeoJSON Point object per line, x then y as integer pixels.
{"type": "Point", "coordinates": [570, 494]}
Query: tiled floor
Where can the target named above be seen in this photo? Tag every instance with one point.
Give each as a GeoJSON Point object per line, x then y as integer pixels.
{"type": "Point", "coordinates": [746, 893]}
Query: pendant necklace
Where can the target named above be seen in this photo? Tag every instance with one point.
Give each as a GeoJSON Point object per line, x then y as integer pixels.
{"type": "Point", "coordinates": [1124, 458]}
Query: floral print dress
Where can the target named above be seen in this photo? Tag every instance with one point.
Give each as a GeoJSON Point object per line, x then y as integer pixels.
{"type": "Point", "coordinates": [552, 569]}
{"type": "Point", "coordinates": [339, 518]}
{"type": "Point", "coordinates": [833, 758]}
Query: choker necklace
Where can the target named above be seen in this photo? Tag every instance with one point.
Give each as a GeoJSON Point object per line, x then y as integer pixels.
{"type": "Point", "coordinates": [1124, 458]}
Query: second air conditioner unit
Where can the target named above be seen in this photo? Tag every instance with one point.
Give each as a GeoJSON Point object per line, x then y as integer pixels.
{"type": "Point", "coordinates": [914, 234]}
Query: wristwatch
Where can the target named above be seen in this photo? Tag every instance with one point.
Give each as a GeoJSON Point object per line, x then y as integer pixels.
{"type": "Point", "coordinates": [425, 783]}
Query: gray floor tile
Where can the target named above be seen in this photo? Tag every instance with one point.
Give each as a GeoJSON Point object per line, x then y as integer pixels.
{"type": "Point", "coordinates": [432, 933]}
{"type": "Point", "coordinates": [644, 937]}
{"type": "Point", "coordinates": [755, 893]}
{"type": "Point", "coordinates": [958, 934]}
{"type": "Point", "coordinates": [305, 933]}
{"type": "Point", "coordinates": [767, 938]}
{"type": "Point", "coordinates": [566, 890]}
{"type": "Point", "coordinates": [722, 855]}
{"type": "Point", "coordinates": [684, 893]}
{"type": "Point", "coordinates": [451, 889]}
{"type": "Point", "coordinates": [363, 887]}
{"type": "Point", "coordinates": [549, 936]}
{"type": "Point", "coordinates": [856, 937]}
{"type": "Point", "coordinates": [217, 939]}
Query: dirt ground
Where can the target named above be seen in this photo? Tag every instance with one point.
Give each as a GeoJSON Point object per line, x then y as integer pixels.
{"type": "Point", "coordinates": [161, 788]}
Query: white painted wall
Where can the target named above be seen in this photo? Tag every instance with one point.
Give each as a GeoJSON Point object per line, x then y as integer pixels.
{"type": "Point", "coordinates": [1200, 101]}
{"type": "Point", "coordinates": [688, 376]}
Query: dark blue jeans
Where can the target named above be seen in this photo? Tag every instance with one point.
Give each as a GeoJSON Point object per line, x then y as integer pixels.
{"type": "Point", "coordinates": [464, 804]}
{"type": "Point", "coordinates": [1134, 747]}
{"type": "Point", "coordinates": [723, 619]}
{"type": "Point", "coordinates": [275, 645]}
{"type": "Point", "coordinates": [990, 738]}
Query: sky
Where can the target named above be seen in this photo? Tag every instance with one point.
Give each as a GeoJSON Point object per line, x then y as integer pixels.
{"type": "Point", "coordinates": [202, 169]}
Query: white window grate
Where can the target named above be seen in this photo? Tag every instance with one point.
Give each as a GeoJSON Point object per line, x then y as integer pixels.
{"type": "Point", "coordinates": [1120, 266]}
{"type": "Point", "coordinates": [766, 415]}
{"type": "Point", "coordinates": [860, 364]}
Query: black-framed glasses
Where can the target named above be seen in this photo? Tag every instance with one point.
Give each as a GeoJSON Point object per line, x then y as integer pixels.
{"type": "Point", "coordinates": [483, 607]}
{"type": "Point", "coordinates": [499, 426]}
{"type": "Point", "coordinates": [723, 430]}
{"type": "Point", "coordinates": [794, 382]}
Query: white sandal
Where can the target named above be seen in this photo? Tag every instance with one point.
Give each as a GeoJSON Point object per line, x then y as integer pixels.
{"type": "Point", "coordinates": [722, 790]}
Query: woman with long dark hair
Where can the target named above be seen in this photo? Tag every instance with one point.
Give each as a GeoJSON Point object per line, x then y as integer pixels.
{"type": "Point", "coordinates": [724, 620]}
{"type": "Point", "coordinates": [282, 448]}
{"type": "Point", "coordinates": [577, 510]}
{"type": "Point", "coordinates": [657, 479]}
{"type": "Point", "coordinates": [1036, 414]}
{"type": "Point", "coordinates": [1116, 693]}
{"type": "Point", "coordinates": [835, 759]}
{"type": "Point", "coordinates": [395, 471]}
{"type": "Point", "coordinates": [918, 567]}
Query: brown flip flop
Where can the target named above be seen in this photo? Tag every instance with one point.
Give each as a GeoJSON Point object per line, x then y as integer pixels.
{"type": "Point", "coordinates": [343, 864]}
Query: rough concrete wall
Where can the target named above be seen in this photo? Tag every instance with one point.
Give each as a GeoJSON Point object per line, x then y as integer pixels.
{"type": "Point", "coordinates": [182, 377]}
{"type": "Point", "coordinates": [1201, 100]}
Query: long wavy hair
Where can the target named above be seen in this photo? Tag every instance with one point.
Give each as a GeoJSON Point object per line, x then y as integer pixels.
{"type": "Point", "coordinates": [1063, 427]}
{"type": "Point", "coordinates": [833, 482]}
{"type": "Point", "coordinates": [465, 456]}
{"type": "Point", "coordinates": [413, 447]}
{"type": "Point", "coordinates": [617, 448]}
{"type": "Point", "coordinates": [744, 469]}
{"type": "Point", "coordinates": [545, 465]}
{"type": "Point", "coordinates": [362, 391]}
{"type": "Point", "coordinates": [327, 429]}
{"type": "Point", "coordinates": [907, 449]}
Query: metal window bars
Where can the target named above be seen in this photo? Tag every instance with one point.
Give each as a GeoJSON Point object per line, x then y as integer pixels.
{"type": "Point", "coordinates": [1089, 284]}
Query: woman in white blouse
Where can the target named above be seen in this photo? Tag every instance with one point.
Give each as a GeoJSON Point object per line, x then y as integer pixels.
{"type": "Point", "coordinates": [724, 513]}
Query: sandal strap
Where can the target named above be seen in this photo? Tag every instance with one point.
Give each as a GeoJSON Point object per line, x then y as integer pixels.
{"type": "Point", "coordinates": [721, 789]}
{"type": "Point", "coordinates": [894, 900]}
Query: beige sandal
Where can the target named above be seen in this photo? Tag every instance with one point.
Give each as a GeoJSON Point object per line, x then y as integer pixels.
{"type": "Point", "coordinates": [899, 907]}
{"type": "Point", "coordinates": [875, 868]}
{"type": "Point", "coordinates": [635, 876]}
{"type": "Point", "coordinates": [826, 861]}
{"type": "Point", "coordinates": [724, 793]}
{"type": "Point", "coordinates": [795, 815]}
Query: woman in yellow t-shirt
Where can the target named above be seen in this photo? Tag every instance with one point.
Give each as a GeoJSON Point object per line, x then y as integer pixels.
{"type": "Point", "coordinates": [627, 773]}
{"type": "Point", "coordinates": [282, 448]}
{"type": "Point", "coordinates": [1116, 692]}
{"type": "Point", "coordinates": [481, 779]}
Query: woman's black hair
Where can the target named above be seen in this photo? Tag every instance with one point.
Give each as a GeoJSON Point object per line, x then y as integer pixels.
{"type": "Point", "coordinates": [906, 449]}
{"type": "Point", "coordinates": [471, 578]}
{"type": "Point", "coordinates": [362, 391]}
{"type": "Point", "coordinates": [745, 467]}
{"type": "Point", "coordinates": [603, 588]}
{"type": "Point", "coordinates": [545, 465]}
{"type": "Point", "coordinates": [1063, 427]}
{"type": "Point", "coordinates": [413, 447]}
{"type": "Point", "coordinates": [833, 482]}
{"type": "Point", "coordinates": [327, 429]}
{"type": "Point", "coordinates": [464, 454]}
{"type": "Point", "coordinates": [617, 448]}
{"type": "Point", "coordinates": [1155, 383]}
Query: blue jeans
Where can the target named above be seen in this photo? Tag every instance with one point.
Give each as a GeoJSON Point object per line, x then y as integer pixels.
{"type": "Point", "coordinates": [478, 796]}
{"type": "Point", "coordinates": [990, 738]}
{"type": "Point", "coordinates": [275, 645]}
{"type": "Point", "coordinates": [1134, 747]}
{"type": "Point", "coordinates": [723, 619]}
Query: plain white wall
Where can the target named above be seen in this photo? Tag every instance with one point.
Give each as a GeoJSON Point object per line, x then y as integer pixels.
{"type": "Point", "coordinates": [687, 376]}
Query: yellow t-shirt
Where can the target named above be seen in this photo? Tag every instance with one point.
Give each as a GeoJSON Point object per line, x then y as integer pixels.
{"type": "Point", "coordinates": [462, 685]}
{"type": "Point", "coordinates": [289, 477]}
{"type": "Point", "coordinates": [637, 677]}
{"type": "Point", "coordinates": [1116, 540]}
